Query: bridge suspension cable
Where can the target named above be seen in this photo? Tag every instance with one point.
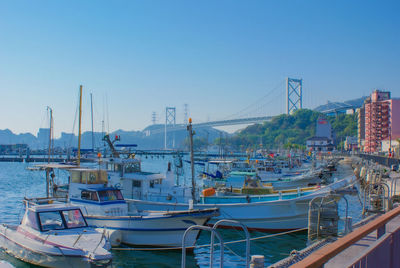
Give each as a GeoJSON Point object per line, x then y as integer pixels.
{"type": "Point", "coordinates": [257, 105]}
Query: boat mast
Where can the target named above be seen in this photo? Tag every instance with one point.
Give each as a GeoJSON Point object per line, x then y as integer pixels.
{"type": "Point", "coordinates": [191, 133]}
{"type": "Point", "coordinates": [48, 160]}
{"type": "Point", "coordinates": [78, 161]}
{"type": "Point", "coordinates": [91, 107]}
{"type": "Point", "coordinates": [50, 132]}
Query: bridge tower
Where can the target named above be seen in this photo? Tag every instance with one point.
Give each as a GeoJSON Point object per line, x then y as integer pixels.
{"type": "Point", "coordinates": [170, 120]}
{"type": "Point", "coordinates": [294, 94]}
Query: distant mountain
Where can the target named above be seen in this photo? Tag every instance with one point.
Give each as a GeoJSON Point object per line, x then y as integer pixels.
{"type": "Point", "coordinates": [144, 139]}
{"type": "Point", "coordinates": [8, 137]}
{"type": "Point", "coordinates": [356, 103]}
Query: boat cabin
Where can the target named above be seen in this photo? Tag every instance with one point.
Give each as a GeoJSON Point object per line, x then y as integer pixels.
{"type": "Point", "coordinates": [121, 166]}
{"type": "Point", "coordinates": [53, 217]}
{"type": "Point", "coordinates": [88, 189]}
{"type": "Point", "coordinates": [136, 184]}
{"type": "Point", "coordinates": [88, 176]}
{"type": "Point", "coordinates": [145, 184]}
{"type": "Point", "coordinates": [242, 166]}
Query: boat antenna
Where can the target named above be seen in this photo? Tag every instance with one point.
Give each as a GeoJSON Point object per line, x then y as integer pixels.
{"type": "Point", "coordinates": [191, 133]}
{"type": "Point", "coordinates": [78, 161]}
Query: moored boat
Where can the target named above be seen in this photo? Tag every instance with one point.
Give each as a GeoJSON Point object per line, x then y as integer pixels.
{"type": "Point", "coordinates": [257, 212]}
{"type": "Point", "coordinates": [55, 235]}
{"type": "Point", "coordinates": [105, 207]}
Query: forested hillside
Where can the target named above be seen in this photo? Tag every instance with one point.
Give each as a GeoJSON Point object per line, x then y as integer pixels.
{"type": "Point", "coordinates": [292, 130]}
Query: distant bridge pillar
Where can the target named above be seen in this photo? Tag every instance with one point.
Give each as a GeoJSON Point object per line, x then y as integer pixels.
{"type": "Point", "coordinates": [170, 120]}
{"type": "Point", "coordinates": [294, 95]}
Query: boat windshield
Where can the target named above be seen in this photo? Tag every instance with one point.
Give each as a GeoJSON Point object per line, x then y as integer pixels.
{"type": "Point", "coordinates": [51, 220]}
{"type": "Point", "coordinates": [110, 195]}
{"type": "Point", "coordinates": [56, 220]}
{"type": "Point", "coordinates": [74, 218]}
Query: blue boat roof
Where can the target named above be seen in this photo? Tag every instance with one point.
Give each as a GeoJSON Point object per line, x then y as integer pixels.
{"type": "Point", "coordinates": [94, 188]}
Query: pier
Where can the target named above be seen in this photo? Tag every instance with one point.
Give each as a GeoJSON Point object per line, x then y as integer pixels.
{"type": "Point", "coordinates": [375, 244]}
{"type": "Point", "coordinates": [375, 240]}
{"type": "Point", "coordinates": [149, 153]}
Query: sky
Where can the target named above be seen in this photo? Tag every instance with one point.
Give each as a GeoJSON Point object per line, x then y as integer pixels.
{"type": "Point", "coordinates": [224, 59]}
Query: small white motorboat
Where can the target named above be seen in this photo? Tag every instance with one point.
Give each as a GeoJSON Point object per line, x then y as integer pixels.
{"type": "Point", "coordinates": [55, 235]}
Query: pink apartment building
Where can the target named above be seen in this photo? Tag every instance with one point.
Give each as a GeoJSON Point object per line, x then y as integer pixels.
{"type": "Point", "coordinates": [379, 119]}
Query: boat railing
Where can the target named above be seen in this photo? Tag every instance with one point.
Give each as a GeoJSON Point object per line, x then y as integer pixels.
{"type": "Point", "coordinates": [214, 233]}
{"type": "Point", "coordinates": [215, 226]}
{"type": "Point", "coordinates": [103, 235]}
{"type": "Point", "coordinates": [43, 200]}
{"type": "Point", "coordinates": [205, 228]}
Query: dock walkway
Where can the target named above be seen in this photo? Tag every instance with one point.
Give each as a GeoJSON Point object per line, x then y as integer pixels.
{"type": "Point", "coordinates": [352, 254]}
{"type": "Point", "coordinates": [376, 244]}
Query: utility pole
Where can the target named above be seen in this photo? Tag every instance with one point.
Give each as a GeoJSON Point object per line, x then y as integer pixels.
{"type": "Point", "coordinates": [191, 133]}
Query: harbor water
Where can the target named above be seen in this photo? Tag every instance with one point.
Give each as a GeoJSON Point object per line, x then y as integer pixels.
{"type": "Point", "coordinates": [16, 182]}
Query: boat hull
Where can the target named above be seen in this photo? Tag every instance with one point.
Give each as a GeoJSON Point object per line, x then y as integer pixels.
{"type": "Point", "coordinates": [267, 215]}
{"type": "Point", "coordinates": [281, 215]}
{"type": "Point", "coordinates": [164, 230]}
{"type": "Point", "coordinates": [37, 253]}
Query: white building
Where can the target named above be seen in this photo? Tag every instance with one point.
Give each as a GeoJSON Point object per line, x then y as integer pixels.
{"type": "Point", "coordinates": [320, 144]}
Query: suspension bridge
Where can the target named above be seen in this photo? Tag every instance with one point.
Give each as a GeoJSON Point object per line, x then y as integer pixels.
{"type": "Point", "coordinates": [293, 99]}
{"type": "Point", "coordinates": [247, 115]}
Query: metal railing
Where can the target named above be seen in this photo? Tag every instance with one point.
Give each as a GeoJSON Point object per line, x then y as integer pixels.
{"type": "Point", "coordinates": [214, 233]}
{"type": "Point", "coordinates": [247, 237]}
{"type": "Point", "coordinates": [206, 228]}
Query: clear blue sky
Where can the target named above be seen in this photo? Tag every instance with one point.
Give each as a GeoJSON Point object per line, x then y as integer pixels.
{"type": "Point", "coordinates": [219, 57]}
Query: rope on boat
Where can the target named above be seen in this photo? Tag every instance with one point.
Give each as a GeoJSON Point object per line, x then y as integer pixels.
{"type": "Point", "coordinates": [208, 245]}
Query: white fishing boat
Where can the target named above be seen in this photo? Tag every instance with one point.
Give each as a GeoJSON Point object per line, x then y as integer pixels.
{"type": "Point", "coordinates": [126, 173]}
{"type": "Point", "coordinates": [258, 212]}
{"type": "Point", "coordinates": [55, 235]}
{"type": "Point", "coordinates": [105, 207]}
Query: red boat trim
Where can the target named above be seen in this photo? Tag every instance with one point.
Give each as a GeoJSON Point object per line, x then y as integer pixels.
{"type": "Point", "coordinates": [40, 252]}
{"type": "Point", "coordinates": [36, 238]}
